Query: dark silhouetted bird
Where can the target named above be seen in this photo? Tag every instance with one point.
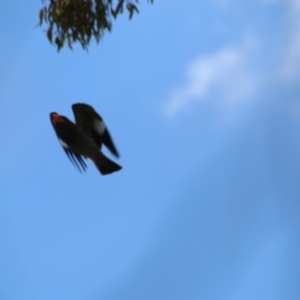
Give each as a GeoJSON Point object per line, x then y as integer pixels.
{"type": "Point", "coordinates": [85, 138]}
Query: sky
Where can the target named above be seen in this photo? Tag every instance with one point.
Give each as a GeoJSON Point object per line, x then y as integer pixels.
{"type": "Point", "coordinates": [202, 99]}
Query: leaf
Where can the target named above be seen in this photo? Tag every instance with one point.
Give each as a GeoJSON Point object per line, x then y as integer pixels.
{"type": "Point", "coordinates": [58, 43]}
{"type": "Point", "coordinates": [119, 8]}
{"type": "Point", "coordinates": [41, 16]}
{"type": "Point", "coordinates": [70, 44]}
{"type": "Point", "coordinates": [131, 8]}
{"type": "Point", "coordinates": [49, 34]}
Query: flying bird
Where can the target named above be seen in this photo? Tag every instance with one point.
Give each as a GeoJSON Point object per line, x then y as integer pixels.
{"type": "Point", "coordinates": [84, 138]}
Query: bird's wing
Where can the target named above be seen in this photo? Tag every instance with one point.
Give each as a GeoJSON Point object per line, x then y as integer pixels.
{"type": "Point", "coordinates": [64, 135]}
{"type": "Point", "coordinates": [74, 157]}
{"type": "Point", "coordinates": [93, 125]}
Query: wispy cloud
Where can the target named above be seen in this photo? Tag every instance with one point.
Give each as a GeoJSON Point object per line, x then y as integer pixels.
{"type": "Point", "coordinates": [223, 74]}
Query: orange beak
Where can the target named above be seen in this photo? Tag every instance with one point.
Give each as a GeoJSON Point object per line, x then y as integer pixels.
{"type": "Point", "coordinates": [57, 119]}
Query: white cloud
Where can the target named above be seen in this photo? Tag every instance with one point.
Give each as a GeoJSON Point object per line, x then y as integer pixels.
{"type": "Point", "coordinates": [222, 74]}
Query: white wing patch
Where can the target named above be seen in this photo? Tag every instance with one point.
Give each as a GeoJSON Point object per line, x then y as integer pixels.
{"type": "Point", "coordinates": [63, 144]}
{"type": "Point", "coordinates": [99, 126]}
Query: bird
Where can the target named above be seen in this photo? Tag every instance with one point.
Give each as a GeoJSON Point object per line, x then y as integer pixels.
{"type": "Point", "coordinates": [84, 138]}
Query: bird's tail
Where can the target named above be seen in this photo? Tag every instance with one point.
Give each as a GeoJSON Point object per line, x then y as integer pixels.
{"type": "Point", "coordinates": [104, 164]}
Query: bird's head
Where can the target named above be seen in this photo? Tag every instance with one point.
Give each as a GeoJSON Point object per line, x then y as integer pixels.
{"type": "Point", "coordinates": [56, 118]}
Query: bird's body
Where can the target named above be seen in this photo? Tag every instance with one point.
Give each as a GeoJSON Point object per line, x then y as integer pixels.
{"type": "Point", "coordinates": [71, 134]}
{"type": "Point", "coordinates": [83, 140]}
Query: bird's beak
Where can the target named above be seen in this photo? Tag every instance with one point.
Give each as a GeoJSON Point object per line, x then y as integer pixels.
{"type": "Point", "coordinates": [57, 119]}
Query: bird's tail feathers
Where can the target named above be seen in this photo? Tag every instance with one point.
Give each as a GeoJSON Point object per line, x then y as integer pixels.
{"type": "Point", "coordinates": [104, 164]}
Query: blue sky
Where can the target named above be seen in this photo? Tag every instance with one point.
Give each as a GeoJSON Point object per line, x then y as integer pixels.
{"type": "Point", "coordinates": [202, 101]}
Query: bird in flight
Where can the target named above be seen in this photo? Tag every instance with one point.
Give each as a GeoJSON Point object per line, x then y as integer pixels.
{"type": "Point", "coordinates": [84, 138]}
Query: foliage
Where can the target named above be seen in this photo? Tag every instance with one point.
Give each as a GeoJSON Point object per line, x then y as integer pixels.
{"type": "Point", "coordinates": [79, 20]}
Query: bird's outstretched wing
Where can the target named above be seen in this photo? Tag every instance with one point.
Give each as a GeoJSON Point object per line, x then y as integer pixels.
{"type": "Point", "coordinates": [93, 125]}
{"type": "Point", "coordinates": [60, 125]}
{"type": "Point", "coordinates": [74, 157]}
